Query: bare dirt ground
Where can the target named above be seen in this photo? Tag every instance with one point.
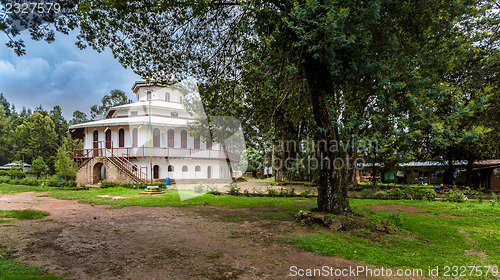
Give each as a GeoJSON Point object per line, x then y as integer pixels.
{"type": "Point", "coordinates": [82, 241]}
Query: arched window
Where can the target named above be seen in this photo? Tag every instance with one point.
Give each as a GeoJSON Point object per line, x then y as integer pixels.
{"type": "Point", "coordinates": [96, 138]}
{"type": "Point", "coordinates": [121, 138]}
{"type": "Point", "coordinates": [197, 142]}
{"type": "Point", "coordinates": [156, 172]}
{"type": "Point", "coordinates": [96, 143]}
{"type": "Point", "coordinates": [170, 138]}
{"type": "Point", "coordinates": [167, 96]}
{"type": "Point", "coordinates": [170, 168]}
{"type": "Point", "coordinates": [156, 137]}
{"type": "Point", "coordinates": [209, 172]}
{"type": "Point", "coordinates": [197, 168]}
{"type": "Point", "coordinates": [184, 139]}
{"type": "Point", "coordinates": [108, 139]}
{"type": "Point", "coordinates": [209, 144]}
{"type": "Point", "coordinates": [135, 140]}
{"type": "Point", "coordinates": [185, 168]}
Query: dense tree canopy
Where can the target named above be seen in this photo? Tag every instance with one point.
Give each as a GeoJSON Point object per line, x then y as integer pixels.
{"type": "Point", "coordinates": [341, 71]}
{"type": "Point", "coordinates": [114, 98]}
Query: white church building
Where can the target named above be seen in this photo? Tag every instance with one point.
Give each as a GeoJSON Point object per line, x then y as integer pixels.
{"type": "Point", "coordinates": [123, 146]}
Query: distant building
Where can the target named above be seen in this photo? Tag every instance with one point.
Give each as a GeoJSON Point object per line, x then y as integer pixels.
{"type": "Point", "coordinates": [118, 148]}
{"type": "Point", "coordinates": [485, 173]}
{"type": "Point", "coordinates": [9, 166]}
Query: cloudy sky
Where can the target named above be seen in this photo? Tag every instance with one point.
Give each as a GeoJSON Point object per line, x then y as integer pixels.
{"type": "Point", "coordinates": [60, 74]}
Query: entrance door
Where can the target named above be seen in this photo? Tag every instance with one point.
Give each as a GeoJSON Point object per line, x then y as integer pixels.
{"type": "Point", "coordinates": [156, 172]}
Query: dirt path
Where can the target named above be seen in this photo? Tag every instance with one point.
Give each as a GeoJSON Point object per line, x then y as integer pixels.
{"type": "Point", "coordinates": [82, 241]}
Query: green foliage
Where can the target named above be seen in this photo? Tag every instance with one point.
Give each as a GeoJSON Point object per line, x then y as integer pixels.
{"type": "Point", "coordinates": [234, 190]}
{"type": "Point", "coordinates": [11, 269]}
{"type": "Point", "coordinates": [78, 117]}
{"type": "Point", "coordinates": [39, 166]}
{"type": "Point", "coordinates": [329, 70]}
{"type": "Point", "coordinates": [401, 192]}
{"type": "Point", "coordinates": [199, 188]}
{"type": "Point", "coordinates": [272, 192]}
{"type": "Point", "coordinates": [396, 218]}
{"type": "Point", "coordinates": [60, 123]}
{"type": "Point", "coordinates": [4, 173]}
{"type": "Point", "coordinates": [36, 137]}
{"type": "Point", "coordinates": [27, 214]}
{"type": "Point", "coordinates": [110, 184]}
{"type": "Point", "coordinates": [114, 98]}
{"type": "Point", "coordinates": [454, 196]}
{"type": "Point", "coordinates": [67, 184]}
{"type": "Point", "coordinates": [65, 166]}
{"type": "Point", "coordinates": [213, 190]}
{"type": "Point", "coordinates": [16, 174]}
{"type": "Point", "coordinates": [422, 239]}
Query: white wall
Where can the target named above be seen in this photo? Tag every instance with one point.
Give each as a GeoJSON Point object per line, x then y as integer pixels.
{"type": "Point", "coordinates": [216, 166]}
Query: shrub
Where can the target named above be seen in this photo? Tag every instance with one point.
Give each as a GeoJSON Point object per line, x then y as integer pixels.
{"type": "Point", "coordinates": [68, 184]}
{"type": "Point", "coordinates": [396, 217]}
{"type": "Point", "coordinates": [127, 185]}
{"type": "Point", "coordinates": [161, 185]}
{"type": "Point", "coordinates": [234, 190]}
{"type": "Point", "coordinates": [4, 173]}
{"type": "Point", "coordinates": [52, 183]}
{"type": "Point", "coordinates": [305, 193]}
{"type": "Point", "coordinates": [16, 174]}
{"type": "Point", "coordinates": [28, 182]}
{"type": "Point", "coordinates": [141, 185]}
{"type": "Point", "coordinates": [199, 188]}
{"type": "Point", "coordinates": [395, 193]}
{"type": "Point", "coordinates": [424, 193]}
{"type": "Point", "coordinates": [213, 190]}
{"type": "Point", "coordinates": [109, 184]}
{"type": "Point", "coordinates": [271, 192]}
{"type": "Point", "coordinates": [369, 193]}
{"type": "Point", "coordinates": [480, 196]}
{"type": "Point", "coordinates": [454, 196]}
{"type": "Point", "coordinates": [4, 180]}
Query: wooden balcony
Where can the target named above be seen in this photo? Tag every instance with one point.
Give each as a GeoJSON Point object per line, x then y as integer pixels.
{"type": "Point", "coordinates": [158, 152]}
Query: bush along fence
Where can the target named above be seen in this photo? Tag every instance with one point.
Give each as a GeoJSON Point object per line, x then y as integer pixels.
{"type": "Point", "coordinates": [236, 191]}
{"type": "Point", "coordinates": [67, 185]}
{"type": "Point", "coordinates": [110, 184]}
{"type": "Point", "coordinates": [411, 193]}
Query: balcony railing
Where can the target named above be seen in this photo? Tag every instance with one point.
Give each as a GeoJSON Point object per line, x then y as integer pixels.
{"type": "Point", "coordinates": [129, 152]}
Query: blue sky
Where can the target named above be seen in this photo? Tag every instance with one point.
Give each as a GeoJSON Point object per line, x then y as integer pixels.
{"type": "Point", "coordinates": [60, 74]}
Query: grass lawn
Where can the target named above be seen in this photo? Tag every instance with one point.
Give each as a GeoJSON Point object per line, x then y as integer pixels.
{"type": "Point", "coordinates": [428, 234]}
{"type": "Point", "coordinates": [173, 198]}
{"type": "Point", "coordinates": [440, 234]}
{"type": "Point", "coordinates": [10, 269]}
{"type": "Point", "coordinates": [27, 214]}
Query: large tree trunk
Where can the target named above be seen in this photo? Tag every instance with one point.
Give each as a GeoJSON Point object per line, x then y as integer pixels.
{"type": "Point", "coordinates": [332, 182]}
{"type": "Point", "coordinates": [352, 172]}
